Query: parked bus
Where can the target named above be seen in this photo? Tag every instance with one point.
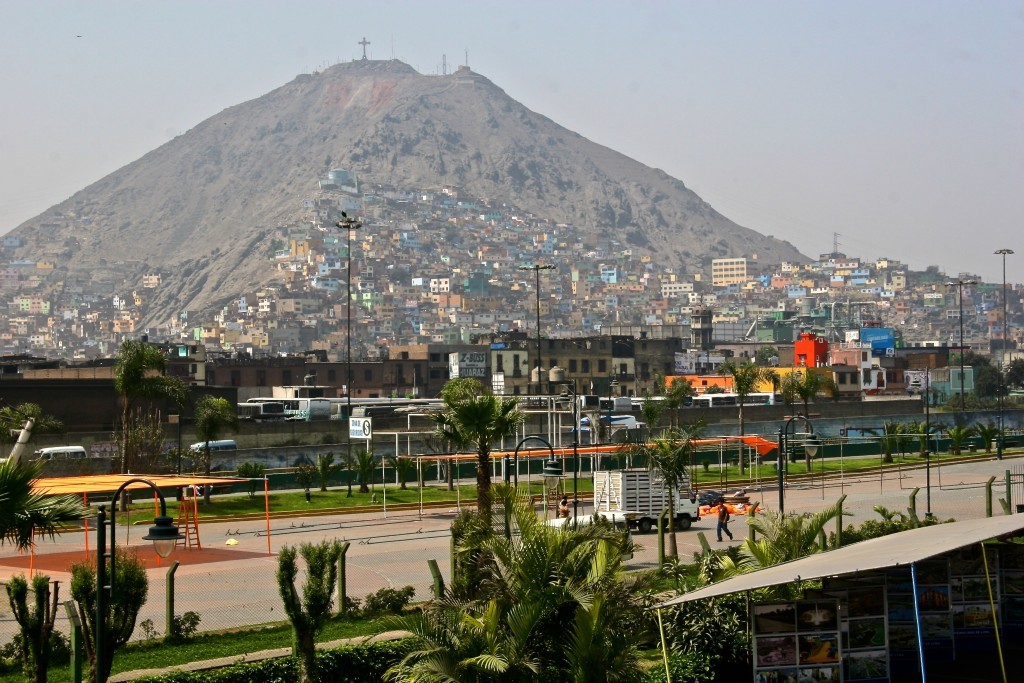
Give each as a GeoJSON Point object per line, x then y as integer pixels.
{"type": "Point", "coordinates": [260, 411]}
{"type": "Point", "coordinates": [301, 409]}
{"type": "Point", "coordinates": [719, 400]}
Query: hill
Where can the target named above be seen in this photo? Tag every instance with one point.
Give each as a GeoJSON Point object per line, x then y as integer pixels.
{"type": "Point", "coordinates": [203, 209]}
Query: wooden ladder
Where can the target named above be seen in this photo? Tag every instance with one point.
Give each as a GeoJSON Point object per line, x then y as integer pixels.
{"type": "Point", "coordinates": [188, 519]}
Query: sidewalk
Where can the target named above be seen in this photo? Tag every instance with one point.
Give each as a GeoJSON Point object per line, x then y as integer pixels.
{"type": "Point", "coordinates": [222, 662]}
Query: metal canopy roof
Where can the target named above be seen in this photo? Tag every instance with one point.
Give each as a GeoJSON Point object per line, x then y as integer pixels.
{"type": "Point", "coordinates": [107, 483]}
{"type": "Point", "coordinates": [900, 549]}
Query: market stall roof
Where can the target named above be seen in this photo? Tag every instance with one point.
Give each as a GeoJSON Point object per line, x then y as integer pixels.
{"type": "Point", "coordinates": [895, 550]}
{"type": "Point", "coordinates": [108, 483]}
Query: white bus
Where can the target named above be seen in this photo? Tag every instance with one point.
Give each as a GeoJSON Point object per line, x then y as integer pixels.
{"type": "Point", "coordinates": [261, 410]}
{"type": "Point", "coordinates": [719, 400]}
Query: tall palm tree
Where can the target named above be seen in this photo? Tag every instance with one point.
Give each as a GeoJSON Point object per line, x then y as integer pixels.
{"type": "Point", "coordinates": [138, 376]}
{"type": "Point", "coordinates": [214, 415]}
{"type": "Point", "coordinates": [676, 396]}
{"type": "Point", "coordinates": [24, 512]}
{"type": "Point", "coordinates": [671, 457]}
{"type": "Point", "coordinates": [745, 381]}
{"type": "Point", "coordinates": [474, 417]}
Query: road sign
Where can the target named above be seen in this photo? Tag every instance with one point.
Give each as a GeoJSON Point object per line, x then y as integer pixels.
{"type": "Point", "coordinates": [360, 428]}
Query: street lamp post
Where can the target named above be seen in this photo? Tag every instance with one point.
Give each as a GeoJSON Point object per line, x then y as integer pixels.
{"type": "Point", "coordinates": [536, 268]}
{"type": "Point", "coordinates": [575, 447]}
{"type": "Point", "coordinates": [348, 225]}
{"type": "Point", "coordinates": [783, 447]}
{"type": "Point", "coordinates": [1002, 358]}
{"type": "Point", "coordinates": [164, 535]}
{"type": "Point", "coordinates": [959, 284]}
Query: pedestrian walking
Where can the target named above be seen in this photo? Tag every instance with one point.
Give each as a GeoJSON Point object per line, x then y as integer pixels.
{"type": "Point", "coordinates": [723, 520]}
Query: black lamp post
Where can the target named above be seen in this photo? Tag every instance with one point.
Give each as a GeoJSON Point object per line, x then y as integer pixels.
{"type": "Point", "coordinates": [536, 268]}
{"type": "Point", "coordinates": [348, 225]}
{"type": "Point", "coordinates": [515, 456]}
{"type": "Point", "coordinates": [783, 447]}
{"type": "Point", "coordinates": [1002, 358]}
{"type": "Point", "coordinates": [959, 284]}
{"type": "Point", "coordinates": [164, 534]}
{"type": "Point", "coordinates": [575, 447]}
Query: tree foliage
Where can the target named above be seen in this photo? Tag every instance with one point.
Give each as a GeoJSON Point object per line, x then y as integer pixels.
{"type": "Point", "coordinates": [310, 612]}
{"type": "Point", "coordinates": [13, 418]}
{"type": "Point", "coordinates": [214, 416]}
{"type": "Point", "coordinates": [25, 512]}
{"type": "Point", "coordinates": [552, 604]}
{"type": "Point", "coordinates": [138, 376]}
{"type": "Point", "coordinates": [128, 593]}
{"type": "Point", "coordinates": [35, 622]}
{"type": "Point", "coordinates": [473, 417]}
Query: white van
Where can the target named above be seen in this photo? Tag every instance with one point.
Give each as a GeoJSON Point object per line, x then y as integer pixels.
{"type": "Point", "coordinates": [61, 453]}
{"type": "Point", "coordinates": [221, 445]}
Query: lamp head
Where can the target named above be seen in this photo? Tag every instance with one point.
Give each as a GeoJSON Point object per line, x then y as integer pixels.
{"type": "Point", "coordinates": [552, 469]}
{"type": "Point", "coordinates": [164, 535]}
{"type": "Point", "coordinates": [811, 446]}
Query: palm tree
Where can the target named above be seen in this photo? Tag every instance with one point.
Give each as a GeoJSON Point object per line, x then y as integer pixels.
{"type": "Point", "coordinates": [474, 417]}
{"type": "Point", "coordinates": [890, 438]}
{"type": "Point", "coordinates": [988, 433]}
{"type": "Point", "coordinates": [403, 467]}
{"type": "Point", "coordinates": [651, 411]}
{"type": "Point", "coordinates": [676, 397]}
{"type": "Point", "coordinates": [24, 512]}
{"type": "Point", "coordinates": [671, 457]}
{"type": "Point", "coordinates": [364, 469]}
{"type": "Point", "coordinates": [12, 418]}
{"type": "Point", "coordinates": [555, 604]}
{"type": "Point", "coordinates": [325, 469]}
{"type": "Point", "coordinates": [213, 416]}
{"type": "Point", "coordinates": [745, 381]}
{"type": "Point", "coordinates": [138, 376]}
{"type": "Point", "coordinates": [806, 386]}
{"type": "Point", "coordinates": [780, 538]}
{"type": "Point", "coordinates": [958, 436]}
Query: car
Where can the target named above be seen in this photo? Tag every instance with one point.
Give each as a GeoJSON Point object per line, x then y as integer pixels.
{"type": "Point", "coordinates": [709, 497]}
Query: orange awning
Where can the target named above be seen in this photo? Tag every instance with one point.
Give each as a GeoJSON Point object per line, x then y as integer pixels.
{"type": "Point", "coordinates": [108, 483]}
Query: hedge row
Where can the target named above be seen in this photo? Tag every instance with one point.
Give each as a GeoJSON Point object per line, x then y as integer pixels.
{"type": "Point", "coordinates": [346, 664]}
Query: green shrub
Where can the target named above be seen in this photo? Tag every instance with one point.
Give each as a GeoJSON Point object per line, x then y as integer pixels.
{"type": "Point", "coordinates": [388, 601]}
{"type": "Point", "coordinates": [346, 664]}
{"type": "Point", "coordinates": [184, 626]}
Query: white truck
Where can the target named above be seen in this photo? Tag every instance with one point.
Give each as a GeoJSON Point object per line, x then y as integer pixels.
{"type": "Point", "coordinates": [640, 496]}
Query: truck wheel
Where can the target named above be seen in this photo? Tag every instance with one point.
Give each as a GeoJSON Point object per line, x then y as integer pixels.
{"type": "Point", "coordinates": [684, 522]}
{"type": "Point", "coordinates": [644, 525]}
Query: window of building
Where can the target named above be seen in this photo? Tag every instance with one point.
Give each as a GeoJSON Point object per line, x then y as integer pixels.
{"type": "Point", "coordinates": [500, 358]}
{"type": "Point", "coordinates": [602, 365]}
{"type": "Point", "coordinates": [585, 365]}
{"type": "Point", "coordinates": [572, 365]}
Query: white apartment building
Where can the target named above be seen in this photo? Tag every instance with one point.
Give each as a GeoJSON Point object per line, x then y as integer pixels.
{"type": "Point", "coordinates": [728, 271]}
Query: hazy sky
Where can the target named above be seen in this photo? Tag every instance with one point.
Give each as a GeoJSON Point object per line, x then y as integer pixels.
{"type": "Point", "coordinates": [898, 125]}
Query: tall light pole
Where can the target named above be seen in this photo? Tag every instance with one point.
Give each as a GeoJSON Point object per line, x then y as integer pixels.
{"type": "Point", "coordinates": [1002, 358]}
{"type": "Point", "coordinates": [164, 535]}
{"type": "Point", "coordinates": [575, 447]}
{"type": "Point", "coordinates": [959, 284]}
{"type": "Point", "coordinates": [536, 268]}
{"type": "Point", "coordinates": [348, 225]}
